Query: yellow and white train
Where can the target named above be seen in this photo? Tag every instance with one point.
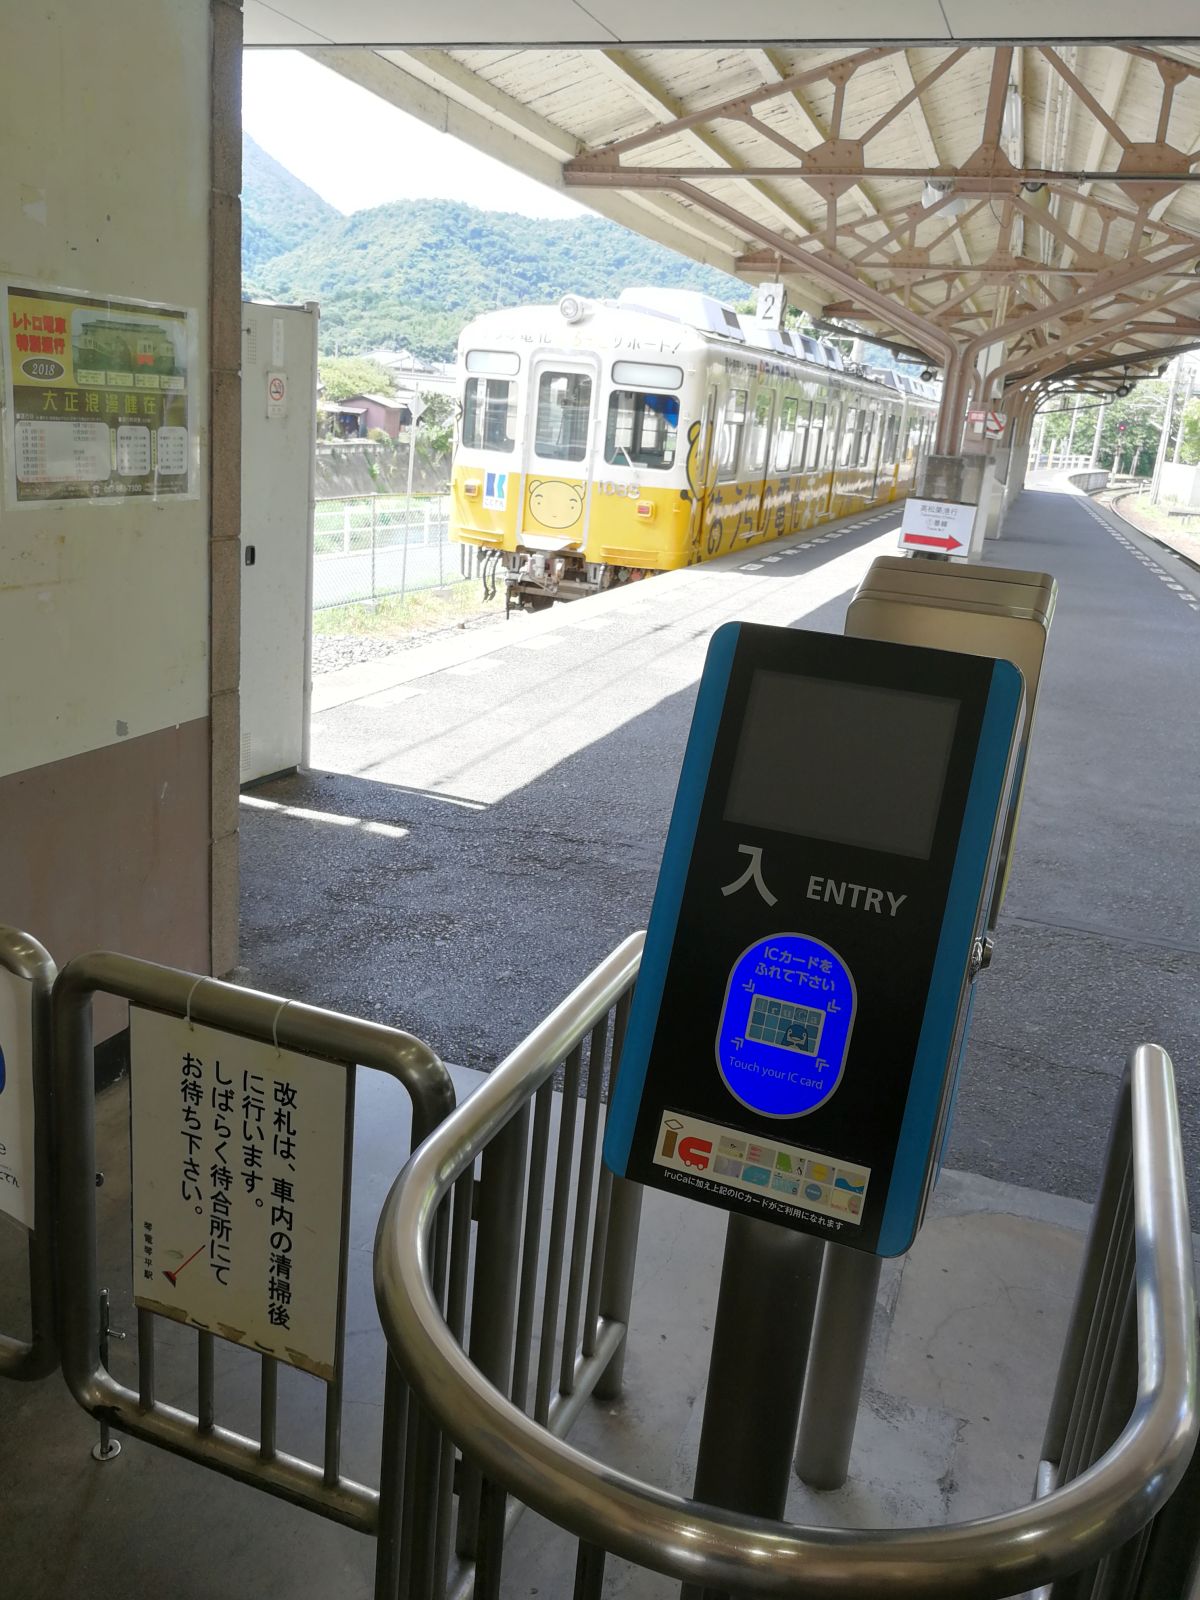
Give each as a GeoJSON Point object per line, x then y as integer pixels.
{"type": "Point", "coordinates": [602, 441]}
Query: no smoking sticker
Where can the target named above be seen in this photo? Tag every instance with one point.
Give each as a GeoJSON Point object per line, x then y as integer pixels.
{"type": "Point", "coordinates": [277, 394]}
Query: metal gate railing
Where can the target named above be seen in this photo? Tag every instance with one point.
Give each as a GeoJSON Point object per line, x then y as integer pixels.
{"type": "Point", "coordinates": [36, 1355]}
{"type": "Point", "coordinates": [1122, 1430]}
{"type": "Point", "coordinates": [538, 1276]}
{"type": "Point", "coordinates": [410, 1448]}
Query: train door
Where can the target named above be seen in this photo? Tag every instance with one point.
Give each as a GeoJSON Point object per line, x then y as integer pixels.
{"type": "Point", "coordinates": [557, 451]}
{"type": "Point", "coordinates": [756, 463]}
{"type": "Point", "coordinates": [702, 465]}
{"type": "Point", "coordinates": [827, 487]}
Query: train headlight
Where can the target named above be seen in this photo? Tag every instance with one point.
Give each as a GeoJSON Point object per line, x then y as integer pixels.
{"type": "Point", "coordinates": [646, 510]}
{"type": "Point", "coordinates": [571, 308]}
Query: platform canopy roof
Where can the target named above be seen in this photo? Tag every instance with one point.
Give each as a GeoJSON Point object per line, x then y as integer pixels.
{"type": "Point", "coordinates": [1030, 210]}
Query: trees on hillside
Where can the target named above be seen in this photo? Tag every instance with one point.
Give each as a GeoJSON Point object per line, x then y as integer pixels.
{"type": "Point", "coordinates": [343, 376]}
{"type": "Point", "coordinates": [1129, 431]}
{"type": "Point", "coordinates": [1131, 427]}
{"type": "Point", "coordinates": [1190, 450]}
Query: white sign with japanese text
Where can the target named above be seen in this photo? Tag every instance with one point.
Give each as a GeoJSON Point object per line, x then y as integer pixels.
{"type": "Point", "coordinates": [16, 1098]}
{"type": "Point", "coordinates": [237, 1187]}
{"type": "Point", "coordinates": [938, 526]}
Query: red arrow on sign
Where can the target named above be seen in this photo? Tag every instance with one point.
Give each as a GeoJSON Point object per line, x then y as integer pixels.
{"type": "Point", "coordinates": [949, 542]}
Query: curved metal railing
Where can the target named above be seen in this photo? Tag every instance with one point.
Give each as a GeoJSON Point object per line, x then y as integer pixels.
{"type": "Point", "coordinates": [1073, 1525]}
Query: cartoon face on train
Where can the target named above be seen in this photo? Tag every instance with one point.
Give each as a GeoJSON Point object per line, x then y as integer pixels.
{"type": "Point", "coordinates": [554, 504]}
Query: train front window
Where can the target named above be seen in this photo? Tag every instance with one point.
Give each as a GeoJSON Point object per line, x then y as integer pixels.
{"type": "Point", "coordinates": [489, 414]}
{"type": "Point", "coordinates": [641, 429]}
{"type": "Point", "coordinates": [564, 411]}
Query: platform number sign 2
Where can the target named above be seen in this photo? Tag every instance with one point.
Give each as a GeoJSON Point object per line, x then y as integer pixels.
{"type": "Point", "coordinates": [771, 303]}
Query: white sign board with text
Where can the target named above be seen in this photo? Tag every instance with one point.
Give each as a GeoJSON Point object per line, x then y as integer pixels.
{"type": "Point", "coordinates": [237, 1187]}
{"type": "Point", "coordinates": [16, 1098]}
{"type": "Point", "coordinates": [937, 527]}
{"type": "Point", "coordinates": [769, 305]}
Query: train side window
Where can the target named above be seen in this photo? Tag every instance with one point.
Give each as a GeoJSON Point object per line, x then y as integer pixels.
{"type": "Point", "coordinates": [760, 433]}
{"type": "Point", "coordinates": [888, 453]}
{"type": "Point", "coordinates": [564, 409]}
{"type": "Point", "coordinates": [850, 432]}
{"type": "Point", "coordinates": [733, 425]}
{"type": "Point", "coordinates": [866, 438]}
{"type": "Point", "coordinates": [803, 413]}
{"type": "Point", "coordinates": [641, 429]}
{"type": "Point", "coordinates": [785, 440]}
{"type": "Point", "coordinates": [489, 414]}
{"type": "Point", "coordinates": [816, 435]}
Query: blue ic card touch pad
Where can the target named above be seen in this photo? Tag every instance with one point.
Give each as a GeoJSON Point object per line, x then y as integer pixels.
{"type": "Point", "coordinates": [794, 1033]}
{"type": "Point", "coordinates": [785, 1025]}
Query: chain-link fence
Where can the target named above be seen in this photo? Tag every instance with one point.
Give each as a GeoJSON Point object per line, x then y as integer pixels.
{"type": "Point", "coordinates": [368, 546]}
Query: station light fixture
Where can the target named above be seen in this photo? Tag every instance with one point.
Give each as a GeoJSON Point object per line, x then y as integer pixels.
{"type": "Point", "coordinates": [935, 190]}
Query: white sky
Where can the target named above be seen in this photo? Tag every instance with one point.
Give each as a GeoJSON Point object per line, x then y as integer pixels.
{"type": "Point", "coordinates": [356, 150]}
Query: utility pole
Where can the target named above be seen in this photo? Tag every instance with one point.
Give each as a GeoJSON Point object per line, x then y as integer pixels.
{"type": "Point", "coordinates": [1096, 436]}
{"type": "Point", "coordinates": [1156, 481]}
{"type": "Point", "coordinates": [1071, 432]}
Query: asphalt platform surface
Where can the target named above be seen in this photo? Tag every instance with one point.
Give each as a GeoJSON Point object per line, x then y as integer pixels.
{"type": "Point", "coordinates": [484, 819]}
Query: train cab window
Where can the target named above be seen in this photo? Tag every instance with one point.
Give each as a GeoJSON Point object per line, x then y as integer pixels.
{"type": "Point", "coordinates": [489, 414]}
{"type": "Point", "coordinates": [564, 410]}
{"type": "Point", "coordinates": [760, 432]}
{"type": "Point", "coordinates": [785, 439]}
{"type": "Point", "coordinates": [641, 429]}
{"type": "Point", "coordinates": [733, 425]}
{"type": "Point", "coordinates": [816, 438]}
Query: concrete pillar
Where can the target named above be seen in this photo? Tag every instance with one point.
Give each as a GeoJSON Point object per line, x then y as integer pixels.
{"type": "Point", "coordinates": [118, 614]}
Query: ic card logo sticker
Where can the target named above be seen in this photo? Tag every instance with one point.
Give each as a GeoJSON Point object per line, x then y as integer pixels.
{"type": "Point", "coordinates": [705, 1155]}
{"type": "Point", "coordinates": [495, 491]}
{"type": "Point", "coordinates": [785, 1026]}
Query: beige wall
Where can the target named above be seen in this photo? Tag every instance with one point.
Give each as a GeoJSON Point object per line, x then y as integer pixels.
{"type": "Point", "coordinates": [107, 680]}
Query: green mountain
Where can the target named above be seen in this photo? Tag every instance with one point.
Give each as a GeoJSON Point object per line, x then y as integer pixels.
{"type": "Point", "coordinates": [410, 274]}
{"type": "Point", "coordinates": [278, 211]}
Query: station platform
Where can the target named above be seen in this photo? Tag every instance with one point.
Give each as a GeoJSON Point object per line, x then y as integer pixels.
{"type": "Point", "coordinates": [482, 825]}
{"type": "Point", "coordinates": [531, 769]}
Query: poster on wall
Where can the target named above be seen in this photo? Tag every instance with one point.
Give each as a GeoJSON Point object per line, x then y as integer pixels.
{"type": "Point", "coordinates": [99, 397]}
{"type": "Point", "coordinates": [237, 1187]}
{"type": "Point", "coordinates": [16, 1098]}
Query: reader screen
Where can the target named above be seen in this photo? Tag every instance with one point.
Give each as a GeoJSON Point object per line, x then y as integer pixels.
{"type": "Point", "coordinates": [848, 762]}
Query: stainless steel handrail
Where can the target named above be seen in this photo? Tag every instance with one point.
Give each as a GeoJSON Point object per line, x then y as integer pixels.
{"type": "Point", "coordinates": [37, 1356]}
{"type": "Point", "coordinates": [989, 1557]}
